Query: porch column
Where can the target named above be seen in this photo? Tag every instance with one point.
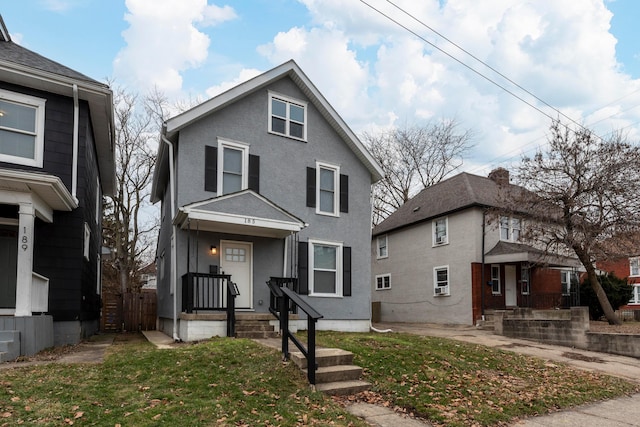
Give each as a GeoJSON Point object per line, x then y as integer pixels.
{"type": "Point", "coordinates": [25, 259]}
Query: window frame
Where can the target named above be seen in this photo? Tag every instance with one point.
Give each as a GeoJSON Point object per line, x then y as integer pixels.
{"type": "Point", "coordinates": [635, 298]}
{"type": "Point", "coordinates": [379, 254]}
{"type": "Point", "coordinates": [496, 290]}
{"type": "Point", "coordinates": [336, 188]}
{"type": "Point", "coordinates": [338, 270]}
{"type": "Point", "coordinates": [510, 228]}
{"type": "Point", "coordinates": [38, 104]}
{"type": "Point", "coordinates": [382, 287]}
{"type": "Point", "coordinates": [525, 279]}
{"type": "Point", "coordinates": [565, 274]}
{"type": "Point", "coordinates": [288, 101]}
{"type": "Point", "coordinates": [634, 260]}
{"type": "Point", "coordinates": [244, 149]}
{"type": "Point", "coordinates": [87, 241]}
{"type": "Point", "coordinates": [434, 231]}
{"type": "Point", "coordinates": [447, 287]}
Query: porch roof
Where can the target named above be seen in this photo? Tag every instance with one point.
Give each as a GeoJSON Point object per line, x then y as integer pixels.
{"type": "Point", "coordinates": [245, 213]}
{"type": "Point", "coordinates": [517, 252]}
{"type": "Point", "coordinates": [48, 191]}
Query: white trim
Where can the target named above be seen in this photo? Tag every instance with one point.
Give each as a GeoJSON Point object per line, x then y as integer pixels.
{"type": "Point", "coordinates": [383, 276]}
{"type": "Point", "coordinates": [244, 150]}
{"type": "Point", "coordinates": [386, 246]}
{"type": "Point", "coordinates": [631, 268]}
{"type": "Point", "coordinates": [444, 290]}
{"type": "Point", "coordinates": [336, 188]}
{"type": "Point", "coordinates": [76, 142]}
{"type": "Point", "coordinates": [87, 241]}
{"type": "Point", "coordinates": [311, 269]}
{"type": "Point", "coordinates": [250, 221]}
{"type": "Point", "coordinates": [38, 104]}
{"type": "Point", "coordinates": [444, 240]}
{"type": "Point", "coordinates": [499, 291]}
{"type": "Point", "coordinates": [287, 128]}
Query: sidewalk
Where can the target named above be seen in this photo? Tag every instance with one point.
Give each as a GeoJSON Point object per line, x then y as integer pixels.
{"type": "Point", "coordinates": [612, 413]}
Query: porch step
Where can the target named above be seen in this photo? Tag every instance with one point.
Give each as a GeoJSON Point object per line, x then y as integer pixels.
{"type": "Point", "coordinates": [9, 345]}
{"type": "Point", "coordinates": [324, 357]}
{"type": "Point", "coordinates": [254, 328]}
{"type": "Point", "coordinates": [330, 374]}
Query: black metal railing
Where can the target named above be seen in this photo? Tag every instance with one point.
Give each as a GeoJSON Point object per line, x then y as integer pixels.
{"type": "Point", "coordinates": [285, 298]}
{"type": "Point", "coordinates": [289, 282]}
{"type": "Point", "coordinates": [538, 301]}
{"type": "Point", "coordinates": [210, 292]}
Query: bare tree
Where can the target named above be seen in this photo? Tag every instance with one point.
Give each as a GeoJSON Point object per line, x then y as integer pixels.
{"type": "Point", "coordinates": [414, 158]}
{"type": "Point", "coordinates": [584, 189]}
{"type": "Point", "coordinates": [131, 222]}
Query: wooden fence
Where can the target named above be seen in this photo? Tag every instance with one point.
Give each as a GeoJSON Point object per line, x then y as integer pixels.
{"type": "Point", "coordinates": [129, 312]}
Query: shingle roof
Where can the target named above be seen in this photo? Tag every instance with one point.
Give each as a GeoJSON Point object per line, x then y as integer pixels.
{"type": "Point", "coordinates": [456, 193]}
{"type": "Point", "coordinates": [14, 53]}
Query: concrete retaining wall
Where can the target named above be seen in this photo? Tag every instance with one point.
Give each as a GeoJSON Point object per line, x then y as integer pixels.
{"type": "Point", "coordinates": [568, 328]}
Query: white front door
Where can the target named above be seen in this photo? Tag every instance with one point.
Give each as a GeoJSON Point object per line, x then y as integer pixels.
{"type": "Point", "coordinates": [8, 267]}
{"type": "Point", "coordinates": [510, 286]}
{"type": "Point", "coordinates": [236, 259]}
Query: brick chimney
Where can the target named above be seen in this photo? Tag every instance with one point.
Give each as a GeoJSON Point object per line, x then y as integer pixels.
{"type": "Point", "coordinates": [500, 176]}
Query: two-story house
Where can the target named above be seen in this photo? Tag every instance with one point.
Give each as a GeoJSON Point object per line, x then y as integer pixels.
{"type": "Point", "coordinates": [56, 163]}
{"type": "Point", "coordinates": [629, 268]}
{"type": "Point", "coordinates": [446, 256]}
{"type": "Point", "coordinates": [264, 180]}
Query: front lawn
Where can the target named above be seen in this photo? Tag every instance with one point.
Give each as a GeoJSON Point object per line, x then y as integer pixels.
{"type": "Point", "coordinates": [237, 382]}
{"type": "Point", "coordinates": [459, 384]}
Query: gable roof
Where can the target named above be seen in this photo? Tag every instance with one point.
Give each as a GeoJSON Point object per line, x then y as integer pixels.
{"type": "Point", "coordinates": [23, 67]}
{"type": "Point", "coordinates": [459, 192]}
{"type": "Point", "coordinates": [287, 69]}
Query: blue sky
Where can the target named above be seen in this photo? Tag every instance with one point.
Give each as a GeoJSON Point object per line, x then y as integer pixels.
{"type": "Point", "coordinates": [581, 57]}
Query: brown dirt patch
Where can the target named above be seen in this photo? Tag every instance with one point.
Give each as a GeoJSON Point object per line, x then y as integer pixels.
{"type": "Point", "coordinates": [605, 327]}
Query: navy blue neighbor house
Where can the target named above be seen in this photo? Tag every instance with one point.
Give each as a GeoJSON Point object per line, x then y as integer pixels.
{"type": "Point", "coordinates": [56, 163]}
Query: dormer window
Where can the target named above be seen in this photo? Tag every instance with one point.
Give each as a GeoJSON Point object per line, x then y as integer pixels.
{"type": "Point", "coordinates": [287, 117]}
{"type": "Point", "coordinates": [21, 129]}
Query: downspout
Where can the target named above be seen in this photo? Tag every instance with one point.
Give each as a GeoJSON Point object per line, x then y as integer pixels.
{"type": "Point", "coordinates": [74, 164]}
{"type": "Point", "coordinates": [484, 220]}
{"type": "Point", "coordinates": [173, 284]}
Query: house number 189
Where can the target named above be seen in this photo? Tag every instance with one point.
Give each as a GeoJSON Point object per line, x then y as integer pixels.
{"type": "Point", "coordinates": [25, 240]}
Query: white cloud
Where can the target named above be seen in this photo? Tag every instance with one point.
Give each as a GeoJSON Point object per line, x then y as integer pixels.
{"type": "Point", "coordinates": [244, 75]}
{"type": "Point", "coordinates": [163, 41]}
{"type": "Point", "coordinates": [61, 5]}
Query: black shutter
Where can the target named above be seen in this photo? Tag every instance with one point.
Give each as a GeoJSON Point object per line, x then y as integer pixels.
{"type": "Point", "coordinates": [311, 187]}
{"type": "Point", "coordinates": [210, 169]}
{"type": "Point", "coordinates": [303, 268]}
{"type": "Point", "coordinates": [254, 173]}
{"type": "Point", "coordinates": [346, 271]}
{"type": "Point", "coordinates": [344, 193]}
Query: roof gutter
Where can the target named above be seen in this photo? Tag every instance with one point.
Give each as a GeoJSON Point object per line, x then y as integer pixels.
{"type": "Point", "coordinates": [74, 163]}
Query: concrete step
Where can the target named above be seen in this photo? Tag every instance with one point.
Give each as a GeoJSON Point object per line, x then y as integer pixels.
{"type": "Point", "coordinates": [324, 357]}
{"type": "Point", "coordinates": [343, 388]}
{"type": "Point", "coordinates": [256, 334]}
{"type": "Point", "coordinates": [330, 374]}
{"type": "Point", "coordinates": [9, 345]}
{"type": "Point", "coordinates": [254, 327]}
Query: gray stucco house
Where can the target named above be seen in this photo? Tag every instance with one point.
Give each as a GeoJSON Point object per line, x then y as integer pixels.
{"type": "Point", "coordinates": [264, 180]}
{"type": "Point", "coordinates": [449, 256]}
{"type": "Point", "coordinates": [56, 163]}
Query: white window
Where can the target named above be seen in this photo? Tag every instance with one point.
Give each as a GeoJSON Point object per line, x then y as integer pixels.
{"type": "Point", "coordinates": [524, 279]}
{"type": "Point", "coordinates": [634, 266]}
{"type": "Point", "coordinates": [565, 280]}
{"type": "Point", "coordinates": [328, 189]}
{"type": "Point", "coordinates": [441, 280]}
{"type": "Point", "coordinates": [440, 235]}
{"type": "Point", "coordinates": [99, 275]}
{"type": "Point", "coordinates": [635, 299]}
{"type": "Point", "coordinates": [87, 240]}
{"type": "Point", "coordinates": [287, 117]}
{"type": "Point", "coordinates": [383, 250]}
{"type": "Point", "coordinates": [383, 281]}
{"type": "Point", "coordinates": [510, 229]}
{"type": "Point", "coordinates": [21, 129]}
{"type": "Point", "coordinates": [98, 200]}
{"type": "Point", "coordinates": [161, 266]}
{"type": "Point", "coordinates": [233, 163]}
{"type": "Point", "coordinates": [325, 260]}
{"type": "Point", "coordinates": [495, 280]}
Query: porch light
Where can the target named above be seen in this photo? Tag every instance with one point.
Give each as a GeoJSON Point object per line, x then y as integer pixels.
{"type": "Point", "coordinates": [214, 250]}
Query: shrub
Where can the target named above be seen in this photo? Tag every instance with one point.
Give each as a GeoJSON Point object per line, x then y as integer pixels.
{"type": "Point", "coordinates": [618, 292]}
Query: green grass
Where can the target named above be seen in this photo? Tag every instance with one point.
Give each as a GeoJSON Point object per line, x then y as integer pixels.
{"type": "Point", "coordinates": [222, 382]}
{"type": "Point", "coordinates": [459, 384]}
{"type": "Point", "coordinates": [217, 382]}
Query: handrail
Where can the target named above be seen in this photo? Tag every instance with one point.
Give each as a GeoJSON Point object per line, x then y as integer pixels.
{"type": "Point", "coordinates": [232, 293]}
{"type": "Point", "coordinates": [285, 297]}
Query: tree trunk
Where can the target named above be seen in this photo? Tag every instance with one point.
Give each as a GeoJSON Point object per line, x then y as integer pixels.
{"type": "Point", "coordinates": [592, 278]}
